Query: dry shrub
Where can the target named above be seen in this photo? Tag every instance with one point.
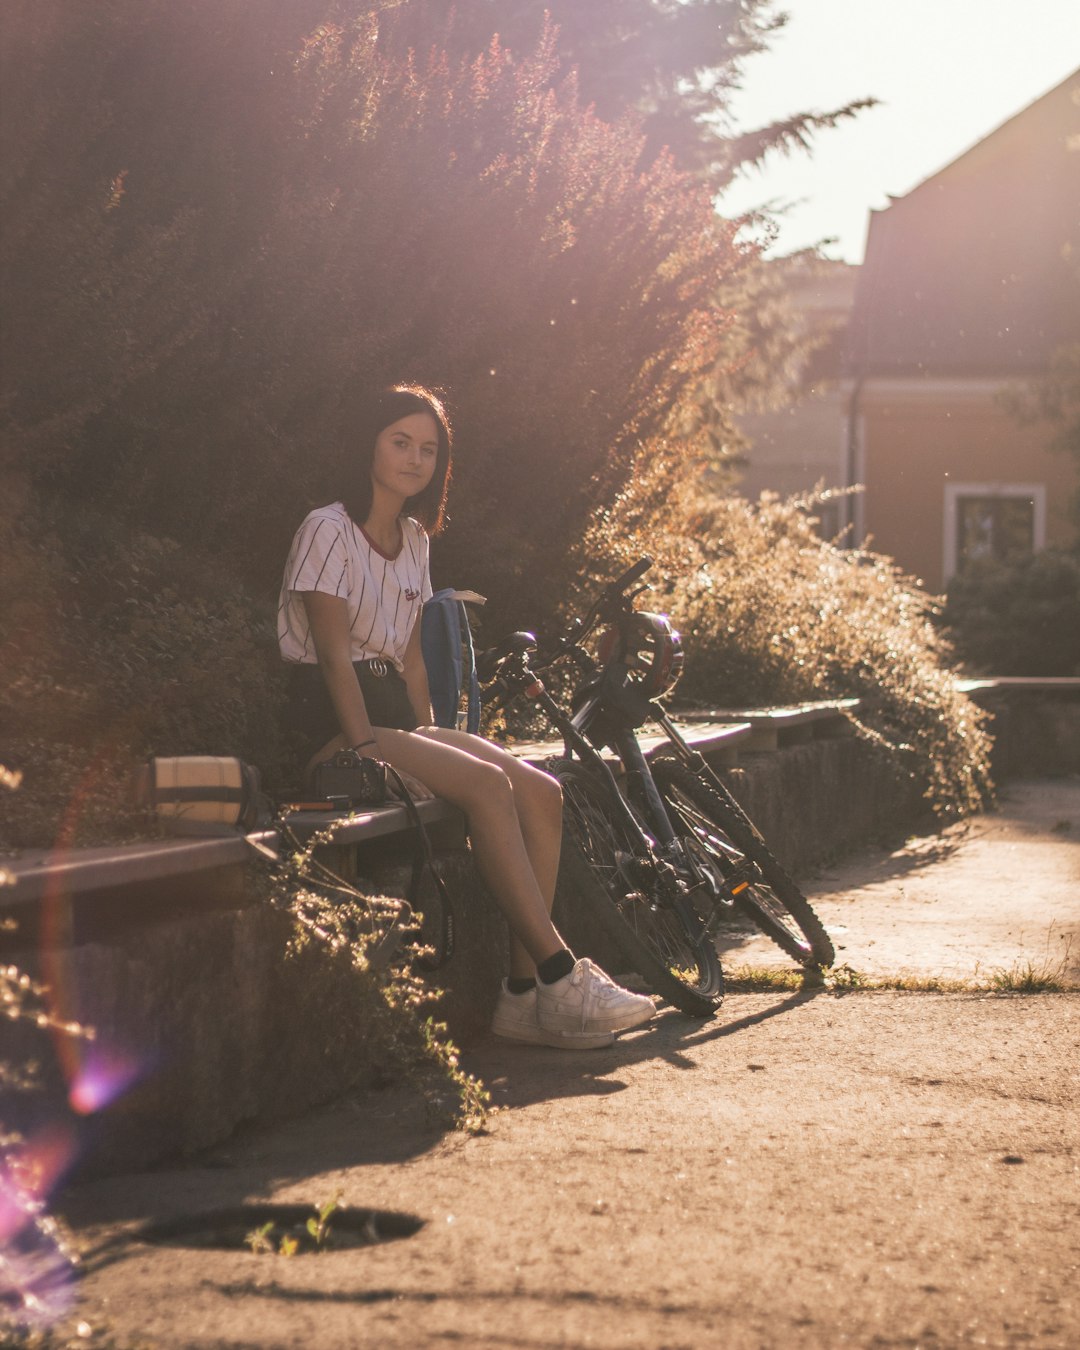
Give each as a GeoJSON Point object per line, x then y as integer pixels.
{"type": "Point", "coordinates": [773, 614]}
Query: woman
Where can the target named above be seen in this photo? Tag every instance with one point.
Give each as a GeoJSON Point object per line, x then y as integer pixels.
{"type": "Point", "coordinates": [355, 582]}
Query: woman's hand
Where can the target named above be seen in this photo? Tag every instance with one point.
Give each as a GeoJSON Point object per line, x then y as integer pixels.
{"type": "Point", "coordinates": [416, 789]}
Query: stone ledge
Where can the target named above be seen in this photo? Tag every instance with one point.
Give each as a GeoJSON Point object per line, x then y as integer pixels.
{"type": "Point", "coordinates": [42, 872]}
{"type": "Point", "coordinates": [1067, 686]}
{"type": "Point", "coordinates": [65, 878]}
{"type": "Point", "coordinates": [777, 728]}
{"type": "Point", "coordinates": [1035, 723]}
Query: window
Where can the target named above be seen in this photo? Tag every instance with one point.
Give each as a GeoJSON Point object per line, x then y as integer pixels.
{"type": "Point", "coordinates": [1002, 521]}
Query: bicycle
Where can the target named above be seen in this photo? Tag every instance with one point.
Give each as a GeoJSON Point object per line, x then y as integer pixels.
{"type": "Point", "coordinates": [672, 849]}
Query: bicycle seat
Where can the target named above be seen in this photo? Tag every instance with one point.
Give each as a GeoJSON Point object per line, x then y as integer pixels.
{"type": "Point", "coordinates": [513, 645]}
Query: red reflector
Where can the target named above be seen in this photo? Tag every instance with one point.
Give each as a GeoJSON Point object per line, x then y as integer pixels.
{"type": "Point", "coordinates": [535, 689]}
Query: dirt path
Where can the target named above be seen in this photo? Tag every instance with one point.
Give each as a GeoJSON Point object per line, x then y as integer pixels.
{"type": "Point", "coordinates": [806, 1170]}
{"type": "Point", "coordinates": [994, 894]}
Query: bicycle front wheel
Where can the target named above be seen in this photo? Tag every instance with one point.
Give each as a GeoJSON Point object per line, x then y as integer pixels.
{"type": "Point", "coordinates": [718, 830]}
{"type": "Point", "coordinates": [664, 939]}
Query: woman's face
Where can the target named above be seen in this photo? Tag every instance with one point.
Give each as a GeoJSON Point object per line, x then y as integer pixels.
{"type": "Point", "coordinates": [405, 455]}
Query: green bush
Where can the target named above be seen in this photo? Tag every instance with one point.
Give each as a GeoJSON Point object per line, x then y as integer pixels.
{"type": "Point", "coordinates": [1017, 618]}
{"type": "Point", "coordinates": [118, 645]}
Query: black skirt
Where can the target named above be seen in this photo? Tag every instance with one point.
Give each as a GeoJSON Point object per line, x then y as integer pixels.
{"type": "Point", "coordinates": [310, 719]}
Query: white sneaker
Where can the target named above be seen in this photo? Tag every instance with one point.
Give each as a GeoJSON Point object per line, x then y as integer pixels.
{"type": "Point", "coordinates": [587, 1000]}
{"type": "Point", "coordinates": [515, 1020]}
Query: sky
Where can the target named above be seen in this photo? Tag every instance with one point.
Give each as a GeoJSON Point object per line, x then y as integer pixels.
{"type": "Point", "coordinates": [947, 73]}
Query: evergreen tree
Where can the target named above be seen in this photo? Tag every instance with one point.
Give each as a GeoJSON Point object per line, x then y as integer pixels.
{"type": "Point", "coordinates": [673, 64]}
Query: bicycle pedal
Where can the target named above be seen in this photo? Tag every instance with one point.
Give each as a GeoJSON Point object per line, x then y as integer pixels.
{"type": "Point", "coordinates": [717, 903]}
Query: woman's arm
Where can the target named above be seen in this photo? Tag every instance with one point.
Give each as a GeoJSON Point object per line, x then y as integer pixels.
{"type": "Point", "coordinates": [416, 680]}
{"type": "Point", "coordinates": [328, 616]}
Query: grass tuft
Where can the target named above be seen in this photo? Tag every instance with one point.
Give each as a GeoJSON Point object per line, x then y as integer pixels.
{"type": "Point", "coordinates": [764, 979]}
{"type": "Point", "coordinates": [1025, 977]}
{"type": "Point", "coordinates": [1022, 977]}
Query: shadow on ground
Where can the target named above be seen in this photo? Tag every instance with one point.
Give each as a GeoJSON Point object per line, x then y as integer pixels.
{"type": "Point", "coordinates": [395, 1125]}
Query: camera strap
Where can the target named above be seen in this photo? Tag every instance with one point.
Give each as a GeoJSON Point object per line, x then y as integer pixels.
{"type": "Point", "coordinates": [424, 858]}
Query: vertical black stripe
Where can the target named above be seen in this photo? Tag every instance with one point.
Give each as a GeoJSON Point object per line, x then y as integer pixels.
{"type": "Point", "coordinates": [326, 562]}
{"type": "Point", "coordinates": [311, 544]}
{"type": "Point", "coordinates": [378, 610]}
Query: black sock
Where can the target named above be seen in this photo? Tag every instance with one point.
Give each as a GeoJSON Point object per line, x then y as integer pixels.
{"type": "Point", "coordinates": [555, 967]}
{"type": "Point", "coordinates": [520, 984]}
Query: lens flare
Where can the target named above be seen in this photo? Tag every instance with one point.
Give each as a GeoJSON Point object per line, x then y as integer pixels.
{"type": "Point", "coordinates": [30, 1173]}
{"type": "Point", "coordinates": [96, 1074]}
{"type": "Point", "coordinates": [35, 1267]}
{"type": "Point", "coordinates": [104, 1075]}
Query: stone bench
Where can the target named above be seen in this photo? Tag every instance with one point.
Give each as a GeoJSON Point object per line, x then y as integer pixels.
{"type": "Point", "coordinates": [777, 728]}
{"type": "Point", "coordinates": [52, 894]}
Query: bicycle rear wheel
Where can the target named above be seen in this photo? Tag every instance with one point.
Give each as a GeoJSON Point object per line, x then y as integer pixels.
{"type": "Point", "coordinates": [709, 818]}
{"type": "Point", "coordinates": [665, 940]}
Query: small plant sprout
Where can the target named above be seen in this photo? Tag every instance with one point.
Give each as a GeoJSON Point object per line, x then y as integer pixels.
{"type": "Point", "coordinates": [319, 1227]}
{"type": "Point", "coordinates": [259, 1239]}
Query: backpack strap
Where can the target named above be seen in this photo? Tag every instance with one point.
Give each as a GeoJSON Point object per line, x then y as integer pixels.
{"type": "Point", "coordinates": [424, 859]}
{"type": "Point", "coordinates": [472, 680]}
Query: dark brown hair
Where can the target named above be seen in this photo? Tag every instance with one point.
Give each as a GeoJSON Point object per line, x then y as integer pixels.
{"type": "Point", "coordinates": [364, 424]}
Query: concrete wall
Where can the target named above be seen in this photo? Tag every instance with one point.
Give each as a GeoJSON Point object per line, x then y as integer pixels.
{"type": "Point", "coordinates": [914, 444]}
{"type": "Point", "coordinates": [218, 1024]}
{"type": "Point", "coordinates": [1035, 735]}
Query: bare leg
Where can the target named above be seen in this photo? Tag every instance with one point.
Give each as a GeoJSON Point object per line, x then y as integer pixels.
{"type": "Point", "coordinates": [515, 822]}
{"type": "Point", "coordinates": [538, 801]}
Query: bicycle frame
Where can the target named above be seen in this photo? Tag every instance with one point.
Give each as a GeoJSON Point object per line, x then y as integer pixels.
{"type": "Point", "coordinates": [660, 843]}
{"type": "Point", "coordinates": [577, 744]}
{"type": "Point", "coordinates": [636, 767]}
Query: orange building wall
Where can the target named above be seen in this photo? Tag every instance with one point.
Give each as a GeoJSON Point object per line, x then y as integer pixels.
{"type": "Point", "coordinates": [911, 450]}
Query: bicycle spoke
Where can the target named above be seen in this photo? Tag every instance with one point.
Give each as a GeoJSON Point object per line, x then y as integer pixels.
{"type": "Point", "coordinates": [664, 938]}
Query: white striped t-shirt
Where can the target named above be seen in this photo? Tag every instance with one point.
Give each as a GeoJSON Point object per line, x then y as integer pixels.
{"type": "Point", "coordinates": [384, 595]}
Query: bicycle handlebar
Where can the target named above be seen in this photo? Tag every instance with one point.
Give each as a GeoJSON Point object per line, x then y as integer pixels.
{"type": "Point", "coordinates": [611, 600]}
{"type": "Point", "coordinates": [628, 578]}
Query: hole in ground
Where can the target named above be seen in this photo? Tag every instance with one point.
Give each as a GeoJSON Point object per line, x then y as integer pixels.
{"type": "Point", "coordinates": [270, 1229]}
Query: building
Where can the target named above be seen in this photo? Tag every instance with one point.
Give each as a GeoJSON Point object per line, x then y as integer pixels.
{"type": "Point", "coordinates": [970, 282]}
{"type": "Point", "coordinates": [803, 441]}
